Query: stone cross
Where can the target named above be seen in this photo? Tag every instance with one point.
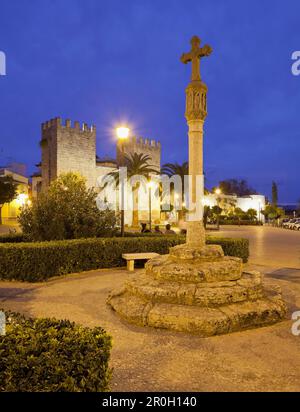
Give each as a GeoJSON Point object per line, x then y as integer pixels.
{"type": "Point", "coordinates": [195, 55]}
{"type": "Point", "coordinates": [195, 115]}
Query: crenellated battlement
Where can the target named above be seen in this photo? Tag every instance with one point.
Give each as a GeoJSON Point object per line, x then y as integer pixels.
{"type": "Point", "coordinates": [143, 142]}
{"type": "Point", "coordinates": [137, 144]}
{"type": "Point", "coordinates": [57, 123]}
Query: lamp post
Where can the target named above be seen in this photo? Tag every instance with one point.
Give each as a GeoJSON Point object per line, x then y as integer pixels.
{"type": "Point", "coordinates": [122, 134]}
{"type": "Point", "coordinates": [218, 192]}
{"type": "Point", "coordinates": [150, 185]}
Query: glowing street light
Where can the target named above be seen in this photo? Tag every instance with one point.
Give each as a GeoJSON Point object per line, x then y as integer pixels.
{"type": "Point", "coordinates": [122, 132]}
{"type": "Point", "coordinates": [22, 198]}
{"type": "Point", "coordinates": [218, 191]}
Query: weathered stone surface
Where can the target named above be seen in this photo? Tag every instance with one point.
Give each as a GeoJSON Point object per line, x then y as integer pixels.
{"type": "Point", "coordinates": [227, 268]}
{"type": "Point", "coordinates": [203, 253]}
{"type": "Point", "coordinates": [220, 296]}
{"type": "Point", "coordinates": [201, 297]}
{"type": "Point", "coordinates": [199, 294]}
{"type": "Point", "coordinates": [191, 319]}
{"type": "Point", "coordinates": [153, 290]}
{"type": "Point", "coordinates": [202, 321]}
{"type": "Point", "coordinates": [130, 307]}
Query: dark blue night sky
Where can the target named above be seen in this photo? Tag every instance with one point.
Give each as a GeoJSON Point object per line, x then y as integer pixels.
{"type": "Point", "coordinates": [110, 61]}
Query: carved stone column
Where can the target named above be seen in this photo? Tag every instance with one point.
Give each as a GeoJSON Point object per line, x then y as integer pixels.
{"type": "Point", "coordinates": [195, 113]}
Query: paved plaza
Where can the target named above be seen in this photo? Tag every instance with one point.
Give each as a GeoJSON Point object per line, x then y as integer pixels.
{"type": "Point", "coordinates": [269, 246]}
{"type": "Point", "coordinates": [146, 359]}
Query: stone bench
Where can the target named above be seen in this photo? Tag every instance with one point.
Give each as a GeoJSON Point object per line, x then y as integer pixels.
{"type": "Point", "coordinates": [131, 257]}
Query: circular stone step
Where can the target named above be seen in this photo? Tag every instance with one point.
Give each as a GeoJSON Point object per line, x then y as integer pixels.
{"type": "Point", "coordinates": [197, 320]}
{"type": "Point", "coordinates": [166, 268]}
{"type": "Point", "coordinates": [249, 287]}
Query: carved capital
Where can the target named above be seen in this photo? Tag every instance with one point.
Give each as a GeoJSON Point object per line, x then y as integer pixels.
{"type": "Point", "coordinates": [196, 108]}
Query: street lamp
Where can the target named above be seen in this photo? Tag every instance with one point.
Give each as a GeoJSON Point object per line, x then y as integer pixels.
{"type": "Point", "coordinates": [122, 134]}
{"type": "Point", "coordinates": [22, 199]}
{"type": "Point", "coordinates": [218, 191]}
{"type": "Point", "coordinates": [150, 185]}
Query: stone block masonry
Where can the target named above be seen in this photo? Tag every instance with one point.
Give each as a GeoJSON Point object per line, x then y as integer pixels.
{"type": "Point", "coordinates": [139, 145]}
{"type": "Point", "coordinates": [68, 148]}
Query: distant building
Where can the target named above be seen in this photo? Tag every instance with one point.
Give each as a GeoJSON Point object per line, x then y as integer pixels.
{"type": "Point", "coordinates": [10, 211]}
{"type": "Point", "coordinates": [256, 202]}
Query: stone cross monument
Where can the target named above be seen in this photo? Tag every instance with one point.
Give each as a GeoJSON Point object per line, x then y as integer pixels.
{"type": "Point", "coordinates": [195, 113]}
{"type": "Point", "coordinates": [196, 288]}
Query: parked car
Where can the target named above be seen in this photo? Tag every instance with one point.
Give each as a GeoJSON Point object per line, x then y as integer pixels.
{"type": "Point", "coordinates": [292, 224]}
{"type": "Point", "coordinates": [284, 221]}
{"type": "Point", "coordinates": [288, 223]}
{"type": "Point", "coordinates": [296, 226]}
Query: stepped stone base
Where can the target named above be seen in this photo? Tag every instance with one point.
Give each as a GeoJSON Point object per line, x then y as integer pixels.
{"type": "Point", "coordinates": [200, 291]}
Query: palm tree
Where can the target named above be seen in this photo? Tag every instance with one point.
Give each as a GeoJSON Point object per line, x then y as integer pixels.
{"type": "Point", "coordinates": [137, 164]}
{"type": "Point", "coordinates": [172, 169]}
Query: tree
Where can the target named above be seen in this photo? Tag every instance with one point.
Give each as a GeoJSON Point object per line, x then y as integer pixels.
{"type": "Point", "coordinates": [206, 215]}
{"type": "Point", "coordinates": [67, 210]}
{"type": "Point", "coordinates": [239, 213]}
{"type": "Point", "coordinates": [235, 186]}
{"type": "Point", "coordinates": [8, 191]}
{"type": "Point", "coordinates": [216, 212]}
{"type": "Point", "coordinates": [274, 194]}
{"type": "Point", "coordinates": [271, 212]}
{"type": "Point", "coordinates": [251, 214]}
{"type": "Point", "coordinates": [137, 164]}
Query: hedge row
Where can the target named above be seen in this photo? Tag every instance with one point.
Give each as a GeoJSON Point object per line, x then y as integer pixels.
{"type": "Point", "coordinates": [232, 247]}
{"type": "Point", "coordinates": [241, 222]}
{"type": "Point", "coordinates": [53, 356]}
{"type": "Point", "coordinates": [39, 261]}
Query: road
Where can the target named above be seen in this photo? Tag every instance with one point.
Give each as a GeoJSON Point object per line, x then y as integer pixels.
{"type": "Point", "coordinates": [269, 246]}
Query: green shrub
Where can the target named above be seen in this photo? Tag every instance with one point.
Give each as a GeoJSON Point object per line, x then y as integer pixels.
{"type": "Point", "coordinates": [41, 260]}
{"type": "Point", "coordinates": [53, 356]}
{"type": "Point", "coordinates": [68, 210]}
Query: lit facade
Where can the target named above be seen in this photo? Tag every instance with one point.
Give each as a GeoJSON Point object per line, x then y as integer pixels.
{"type": "Point", "coordinates": [10, 211]}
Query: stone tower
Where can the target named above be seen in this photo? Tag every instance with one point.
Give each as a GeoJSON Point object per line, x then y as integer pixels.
{"type": "Point", "coordinates": [139, 145]}
{"type": "Point", "coordinates": [67, 148]}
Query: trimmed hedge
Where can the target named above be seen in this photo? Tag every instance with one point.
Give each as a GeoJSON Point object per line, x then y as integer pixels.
{"type": "Point", "coordinates": [52, 355]}
{"type": "Point", "coordinates": [241, 223]}
{"type": "Point", "coordinates": [39, 261]}
{"type": "Point", "coordinates": [232, 247]}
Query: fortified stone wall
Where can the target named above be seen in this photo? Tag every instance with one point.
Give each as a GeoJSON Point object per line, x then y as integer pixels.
{"type": "Point", "coordinates": [139, 145]}
{"type": "Point", "coordinates": [67, 148]}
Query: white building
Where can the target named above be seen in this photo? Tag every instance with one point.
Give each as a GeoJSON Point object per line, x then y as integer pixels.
{"type": "Point", "coordinates": [256, 202]}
